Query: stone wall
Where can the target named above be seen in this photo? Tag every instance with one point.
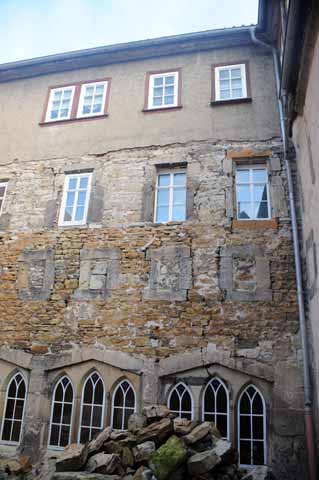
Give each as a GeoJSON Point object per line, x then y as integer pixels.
{"type": "Point", "coordinates": [179, 300]}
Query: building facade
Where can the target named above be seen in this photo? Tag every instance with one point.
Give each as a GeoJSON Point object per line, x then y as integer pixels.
{"type": "Point", "coordinates": [145, 247]}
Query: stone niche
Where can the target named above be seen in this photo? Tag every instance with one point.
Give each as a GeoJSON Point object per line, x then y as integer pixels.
{"type": "Point", "coordinates": [99, 273]}
{"type": "Point", "coordinates": [170, 273]}
{"type": "Point", "coordinates": [245, 273]}
{"type": "Point", "coordinates": [35, 277]}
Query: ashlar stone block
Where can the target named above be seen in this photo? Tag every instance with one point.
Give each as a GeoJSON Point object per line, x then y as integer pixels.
{"type": "Point", "coordinates": [35, 277]}
{"type": "Point", "coordinates": [170, 273]}
{"type": "Point", "coordinates": [245, 273]}
{"type": "Point", "coordinates": [99, 272]}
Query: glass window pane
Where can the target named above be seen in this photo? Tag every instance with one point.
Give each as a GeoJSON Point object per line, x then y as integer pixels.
{"type": "Point", "coordinates": [158, 81]}
{"type": "Point", "coordinates": [169, 80]}
{"type": "Point", "coordinates": [157, 101]}
{"type": "Point", "coordinates": [163, 197]}
{"type": "Point", "coordinates": [221, 424]}
{"type": "Point", "coordinates": [209, 402]}
{"type": "Point", "coordinates": [88, 392]}
{"type": "Point", "coordinates": [97, 416]}
{"type": "Point", "coordinates": [85, 435]}
{"type": "Point", "coordinates": [86, 109]}
{"type": "Point", "coordinates": [243, 193]}
{"type": "Point", "coordinates": [224, 84]}
{"type": "Point", "coordinates": [261, 210]}
{"type": "Point", "coordinates": [19, 409]}
{"type": "Point", "coordinates": [97, 107]}
{"type": "Point", "coordinates": [186, 402]}
{"type": "Point", "coordinates": [244, 210]}
{"type": "Point", "coordinates": [174, 403]}
{"type": "Point", "coordinates": [81, 198]}
{"type": "Point", "coordinates": [15, 435]}
{"type": "Point", "coordinates": [224, 74]}
{"type": "Point", "coordinates": [258, 404]}
{"type": "Point", "coordinates": [259, 175]}
{"type": "Point", "coordinates": [130, 398]}
{"type": "Point", "coordinates": [68, 214]}
{"type": "Point", "coordinates": [245, 404]}
{"type": "Point", "coordinates": [57, 410]}
{"type": "Point", "coordinates": [84, 182]}
{"type": "Point", "coordinates": [260, 193]}
{"type": "Point", "coordinates": [89, 90]}
{"type": "Point", "coordinates": [9, 408]}
{"type": "Point", "coordinates": [236, 83]}
{"type": "Point", "coordinates": [221, 400]}
{"type": "Point", "coordinates": [54, 438]}
{"type": "Point", "coordinates": [163, 180]}
{"type": "Point", "coordinates": [70, 199]}
{"type": "Point", "coordinates": [245, 426]}
{"type": "Point", "coordinates": [169, 90]}
{"type": "Point", "coordinates": [179, 197]}
{"type": "Point", "coordinates": [245, 454]}
{"type": "Point", "coordinates": [209, 417]}
{"type": "Point", "coordinates": [72, 183]}
{"type": "Point", "coordinates": [86, 415]}
{"type": "Point", "coordinates": [180, 178]}
{"type": "Point", "coordinates": [168, 99]}
{"type": "Point", "coordinates": [237, 93]}
{"type": "Point", "coordinates": [67, 411]}
{"type": "Point", "coordinates": [118, 398]}
{"type": "Point", "coordinates": [12, 389]}
{"type": "Point", "coordinates": [258, 428]}
{"type": "Point", "coordinates": [79, 213]}
{"type": "Point", "coordinates": [127, 414]}
{"type": "Point", "coordinates": [162, 214]}
{"type": "Point", "coordinates": [69, 393]}
{"type": "Point", "coordinates": [64, 113]}
{"type": "Point", "coordinates": [158, 92]}
{"type": "Point", "coordinates": [99, 90]}
{"type": "Point", "coordinates": [6, 430]}
{"type": "Point", "coordinates": [99, 393]}
{"type": "Point", "coordinates": [242, 176]}
{"type": "Point", "coordinates": [117, 418]}
{"type": "Point", "coordinates": [179, 213]}
{"type": "Point", "coordinates": [187, 415]}
{"type": "Point", "coordinates": [235, 72]}
{"type": "Point", "coordinates": [65, 432]}
{"type": "Point", "coordinates": [224, 94]}
{"type": "Point", "coordinates": [57, 95]}
{"type": "Point", "coordinates": [258, 453]}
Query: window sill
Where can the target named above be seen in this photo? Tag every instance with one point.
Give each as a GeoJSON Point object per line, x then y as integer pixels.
{"type": "Point", "coordinates": [71, 120]}
{"type": "Point", "coordinates": [233, 101]}
{"type": "Point", "coordinates": [255, 224]}
{"type": "Point", "coordinates": [161, 109]}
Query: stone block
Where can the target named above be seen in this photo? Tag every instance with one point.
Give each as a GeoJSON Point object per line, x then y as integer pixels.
{"type": "Point", "coordinates": [35, 278]}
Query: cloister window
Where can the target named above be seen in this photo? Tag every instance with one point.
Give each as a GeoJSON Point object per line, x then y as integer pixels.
{"type": "Point", "coordinates": [3, 191]}
{"type": "Point", "coordinates": [252, 193]}
{"type": "Point", "coordinates": [92, 408]}
{"type": "Point", "coordinates": [123, 405]}
{"type": "Point", "coordinates": [180, 401]}
{"type": "Point", "coordinates": [170, 202]}
{"type": "Point", "coordinates": [61, 416]}
{"type": "Point", "coordinates": [251, 427]}
{"type": "Point", "coordinates": [216, 405]}
{"type": "Point", "coordinates": [75, 200]}
{"type": "Point", "coordinates": [14, 410]}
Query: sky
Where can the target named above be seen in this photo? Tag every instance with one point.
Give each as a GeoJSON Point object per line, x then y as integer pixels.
{"type": "Point", "coordinates": [33, 28]}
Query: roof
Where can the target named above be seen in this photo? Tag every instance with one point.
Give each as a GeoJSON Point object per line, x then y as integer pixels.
{"type": "Point", "coordinates": [125, 52]}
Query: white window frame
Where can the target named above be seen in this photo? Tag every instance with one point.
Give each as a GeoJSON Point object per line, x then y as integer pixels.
{"type": "Point", "coordinates": [50, 102]}
{"type": "Point", "coordinates": [152, 78]}
{"type": "Point", "coordinates": [9, 442]}
{"type": "Point", "coordinates": [5, 185]}
{"type": "Point", "coordinates": [251, 415]}
{"type": "Point", "coordinates": [242, 67]}
{"type": "Point", "coordinates": [82, 95]}
{"type": "Point", "coordinates": [64, 223]}
{"type": "Point", "coordinates": [171, 172]}
{"type": "Point", "coordinates": [123, 408]}
{"type": "Point", "coordinates": [251, 189]}
{"type": "Point", "coordinates": [91, 427]}
{"type": "Point", "coordinates": [216, 413]}
{"type": "Point", "coordinates": [57, 447]}
{"type": "Point", "coordinates": [180, 411]}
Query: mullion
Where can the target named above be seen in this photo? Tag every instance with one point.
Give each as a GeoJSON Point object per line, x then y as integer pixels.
{"type": "Point", "coordinates": [76, 195]}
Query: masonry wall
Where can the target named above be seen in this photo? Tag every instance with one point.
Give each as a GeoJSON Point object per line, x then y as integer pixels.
{"type": "Point", "coordinates": [185, 300]}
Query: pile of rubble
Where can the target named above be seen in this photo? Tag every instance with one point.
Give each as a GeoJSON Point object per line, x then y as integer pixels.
{"type": "Point", "coordinates": [155, 447]}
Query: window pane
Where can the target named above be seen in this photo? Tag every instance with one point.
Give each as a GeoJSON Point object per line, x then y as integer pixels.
{"type": "Point", "coordinates": [19, 409]}
{"type": "Point", "coordinates": [89, 90]}
{"type": "Point", "coordinates": [70, 199]}
{"type": "Point", "coordinates": [158, 81]}
{"type": "Point", "coordinates": [63, 113]}
{"type": "Point", "coordinates": [179, 213]}
{"type": "Point", "coordinates": [97, 107]}
{"type": "Point", "coordinates": [186, 402]}
{"type": "Point", "coordinates": [6, 430]}
{"type": "Point", "coordinates": [168, 100]}
{"type": "Point", "coordinates": [169, 90]}
{"type": "Point", "coordinates": [69, 394]}
{"type": "Point", "coordinates": [163, 197]}
{"type": "Point", "coordinates": [179, 197]}
{"type": "Point", "coordinates": [223, 74]}
{"type": "Point", "coordinates": [84, 182]}
{"type": "Point", "coordinates": [10, 408]}
{"type": "Point", "coordinates": [81, 198]}
{"type": "Point", "coordinates": [118, 399]}
{"type": "Point", "coordinates": [15, 435]}
{"type": "Point", "coordinates": [162, 214]}
{"type": "Point", "coordinates": [57, 95]}
{"type": "Point", "coordinates": [170, 80]}
{"type": "Point", "coordinates": [261, 210]}
{"type": "Point", "coordinates": [236, 83]}
{"type": "Point", "coordinates": [86, 415]}
{"type": "Point", "coordinates": [88, 392]}
{"type": "Point", "coordinates": [157, 101]}
{"type": "Point", "coordinates": [235, 72]}
{"type": "Point", "coordinates": [65, 432]}
{"type": "Point", "coordinates": [258, 428]}
{"type": "Point", "coordinates": [221, 424]}
{"type": "Point", "coordinates": [224, 94]}
{"type": "Point", "coordinates": [224, 84]}
{"type": "Point", "coordinates": [237, 93]}
{"type": "Point", "coordinates": [244, 210]}
{"type": "Point", "coordinates": [174, 401]}
{"type": "Point", "coordinates": [79, 213]}
{"type": "Point", "coordinates": [158, 92]}
{"type": "Point", "coordinates": [179, 178]}
{"type": "Point", "coordinates": [130, 398]}
{"type": "Point", "coordinates": [86, 109]}
{"type": "Point", "coordinates": [68, 214]}
{"type": "Point", "coordinates": [85, 435]}
{"type": "Point", "coordinates": [163, 180]}
{"type": "Point", "coordinates": [209, 402]}
{"type": "Point", "coordinates": [54, 438]}
{"type": "Point", "coordinates": [99, 90]}
{"type": "Point", "coordinates": [12, 389]}
{"type": "Point", "coordinates": [57, 410]}
{"type": "Point", "coordinates": [245, 426]}
{"type": "Point", "coordinates": [260, 193]}
{"type": "Point", "coordinates": [260, 175]}
{"type": "Point", "coordinates": [245, 454]}
{"type": "Point", "coordinates": [54, 114]}
{"type": "Point", "coordinates": [221, 400]}
{"type": "Point", "coordinates": [117, 418]}
{"type": "Point", "coordinates": [67, 411]}
{"type": "Point", "coordinates": [258, 404]}
{"type": "Point", "coordinates": [245, 404]}
{"type": "Point", "coordinates": [187, 415]}
{"type": "Point", "coordinates": [97, 416]}
{"type": "Point", "coordinates": [72, 183]}
{"type": "Point", "coordinates": [258, 453]}
{"type": "Point", "coordinates": [242, 176]}
{"type": "Point", "coordinates": [99, 393]}
{"type": "Point", "coordinates": [243, 193]}
{"type": "Point", "coordinates": [127, 415]}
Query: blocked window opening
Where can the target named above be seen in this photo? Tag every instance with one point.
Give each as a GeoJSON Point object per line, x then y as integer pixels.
{"type": "Point", "coordinates": [123, 405]}
{"type": "Point", "coordinates": [14, 410]}
{"type": "Point", "coordinates": [216, 406]}
{"type": "Point", "coordinates": [92, 408]}
{"type": "Point", "coordinates": [180, 401]}
{"type": "Point", "coordinates": [61, 416]}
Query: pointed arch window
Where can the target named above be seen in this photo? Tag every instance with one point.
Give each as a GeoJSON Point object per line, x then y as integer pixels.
{"type": "Point", "coordinates": [180, 401]}
{"type": "Point", "coordinates": [123, 405]}
{"type": "Point", "coordinates": [61, 414]}
{"type": "Point", "coordinates": [251, 427]}
{"type": "Point", "coordinates": [216, 405]}
{"type": "Point", "coordinates": [92, 408]}
{"type": "Point", "coordinates": [14, 410]}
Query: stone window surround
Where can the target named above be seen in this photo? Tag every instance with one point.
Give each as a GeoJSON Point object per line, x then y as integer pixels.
{"type": "Point", "coordinates": [75, 102]}
{"type": "Point", "coordinates": [26, 260]}
{"type": "Point", "coordinates": [147, 108]}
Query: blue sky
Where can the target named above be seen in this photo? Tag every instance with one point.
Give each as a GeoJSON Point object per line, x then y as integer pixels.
{"type": "Point", "coordinates": [32, 28]}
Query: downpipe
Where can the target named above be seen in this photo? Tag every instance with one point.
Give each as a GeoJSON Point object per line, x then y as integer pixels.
{"type": "Point", "coordinates": [308, 409]}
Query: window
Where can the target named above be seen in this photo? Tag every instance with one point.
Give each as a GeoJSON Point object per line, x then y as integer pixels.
{"type": "Point", "coordinates": [252, 193]}
{"type": "Point", "coordinates": [216, 406]}
{"type": "Point", "coordinates": [180, 401]}
{"type": "Point", "coordinates": [123, 405]}
{"type": "Point", "coordinates": [75, 199]}
{"type": "Point", "coordinates": [251, 427]}
{"type": "Point", "coordinates": [164, 90]}
{"type": "Point", "coordinates": [61, 416]}
{"type": "Point", "coordinates": [92, 408]}
{"type": "Point", "coordinates": [76, 101]}
{"type": "Point", "coordinates": [60, 103]}
{"type": "Point", "coordinates": [92, 99]}
{"type": "Point", "coordinates": [3, 191]}
{"type": "Point", "coordinates": [230, 82]}
{"type": "Point", "coordinates": [14, 410]}
{"type": "Point", "coordinates": [170, 201]}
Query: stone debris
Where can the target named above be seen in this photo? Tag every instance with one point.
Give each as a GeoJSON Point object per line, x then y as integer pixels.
{"type": "Point", "coordinates": [167, 448]}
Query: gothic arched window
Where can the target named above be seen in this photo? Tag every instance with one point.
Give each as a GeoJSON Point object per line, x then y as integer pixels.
{"type": "Point", "coordinates": [92, 408]}
{"type": "Point", "coordinates": [180, 401]}
{"type": "Point", "coordinates": [61, 415]}
{"type": "Point", "coordinates": [251, 427]}
{"type": "Point", "coordinates": [216, 405]}
{"type": "Point", "coordinates": [14, 410]}
{"type": "Point", "coordinates": [123, 405]}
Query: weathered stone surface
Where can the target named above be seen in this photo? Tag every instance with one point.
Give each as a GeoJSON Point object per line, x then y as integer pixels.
{"type": "Point", "coordinates": [258, 473]}
{"type": "Point", "coordinates": [83, 475]}
{"type": "Point", "coordinates": [222, 448]}
{"type": "Point", "coordinates": [143, 452]}
{"type": "Point", "coordinates": [97, 442]}
{"type": "Point", "coordinates": [73, 458]}
{"type": "Point", "coordinates": [168, 458]}
{"type": "Point", "coordinates": [103, 463]}
{"type": "Point", "coordinates": [142, 473]}
{"type": "Point", "coordinates": [200, 432]}
{"type": "Point", "coordinates": [136, 422]}
{"type": "Point", "coordinates": [127, 458]}
{"type": "Point", "coordinates": [155, 431]}
{"type": "Point", "coordinates": [183, 426]}
{"type": "Point", "coordinates": [155, 412]}
{"type": "Point", "coordinates": [202, 462]}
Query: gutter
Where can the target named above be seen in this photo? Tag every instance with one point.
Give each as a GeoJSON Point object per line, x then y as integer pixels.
{"type": "Point", "coordinates": [308, 407]}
